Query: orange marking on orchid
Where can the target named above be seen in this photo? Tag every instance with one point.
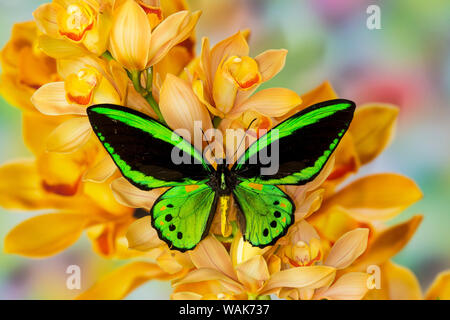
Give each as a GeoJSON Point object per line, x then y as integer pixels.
{"type": "Point", "coordinates": [79, 99]}
{"type": "Point", "coordinates": [294, 263]}
{"type": "Point", "coordinates": [104, 242]}
{"type": "Point", "coordinates": [80, 86]}
{"type": "Point", "coordinates": [264, 126]}
{"type": "Point", "coordinates": [151, 10]}
{"type": "Point", "coordinates": [283, 205]}
{"type": "Point", "coordinates": [317, 258]}
{"type": "Point", "coordinates": [163, 208]}
{"type": "Point", "coordinates": [244, 71]}
{"type": "Point", "coordinates": [74, 36]}
{"type": "Point", "coordinates": [341, 171]}
{"type": "Point", "coordinates": [284, 219]}
{"type": "Point", "coordinates": [310, 263]}
{"type": "Point", "coordinates": [75, 21]}
{"type": "Point", "coordinates": [61, 189]}
{"type": "Point", "coordinates": [161, 223]}
{"type": "Point", "coordinates": [250, 83]}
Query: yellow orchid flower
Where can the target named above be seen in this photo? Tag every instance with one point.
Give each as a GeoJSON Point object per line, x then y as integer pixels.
{"type": "Point", "coordinates": [133, 42]}
{"type": "Point", "coordinates": [248, 272]}
{"type": "Point", "coordinates": [160, 264]}
{"type": "Point", "coordinates": [71, 26]}
{"type": "Point", "coordinates": [68, 214]}
{"type": "Point", "coordinates": [24, 66]}
{"type": "Point", "coordinates": [362, 203]}
{"type": "Point", "coordinates": [54, 182]}
{"type": "Point", "coordinates": [180, 107]}
{"type": "Point", "coordinates": [440, 288]}
{"type": "Point", "coordinates": [215, 269]}
{"type": "Point", "coordinates": [400, 283]}
{"type": "Point", "coordinates": [86, 81]}
{"type": "Point", "coordinates": [225, 78]}
{"type": "Point", "coordinates": [121, 282]}
{"type": "Point", "coordinates": [302, 250]}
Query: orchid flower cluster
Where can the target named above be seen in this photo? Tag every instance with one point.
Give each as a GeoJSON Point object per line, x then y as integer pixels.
{"type": "Point", "coordinates": [141, 54]}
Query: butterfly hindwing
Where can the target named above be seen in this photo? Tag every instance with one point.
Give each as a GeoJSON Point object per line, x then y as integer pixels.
{"type": "Point", "coordinates": [267, 210]}
{"type": "Point", "coordinates": [304, 143]}
{"type": "Point", "coordinates": [143, 149]}
{"type": "Point", "coordinates": [183, 214]}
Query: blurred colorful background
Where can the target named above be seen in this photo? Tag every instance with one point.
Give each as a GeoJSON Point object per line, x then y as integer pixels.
{"type": "Point", "coordinates": [406, 63]}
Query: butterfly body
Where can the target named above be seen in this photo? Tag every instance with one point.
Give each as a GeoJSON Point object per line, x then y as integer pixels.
{"type": "Point", "coordinates": [148, 155]}
{"type": "Point", "coordinates": [222, 180]}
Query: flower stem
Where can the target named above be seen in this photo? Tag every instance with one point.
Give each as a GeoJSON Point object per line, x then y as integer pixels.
{"type": "Point", "coordinates": [135, 77]}
{"type": "Point", "coordinates": [152, 102]}
{"type": "Point", "coordinates": [107, 55]}
{"type": "Point", "coordinates": [216, 122]}
{"type": "Point", "coordinates": [149, 83]}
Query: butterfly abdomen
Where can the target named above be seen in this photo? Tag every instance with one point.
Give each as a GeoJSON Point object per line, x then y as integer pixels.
{"type": "Point", "coordinates": [223, 183]}
{"type": "Point", "coordinates": [224, 209]}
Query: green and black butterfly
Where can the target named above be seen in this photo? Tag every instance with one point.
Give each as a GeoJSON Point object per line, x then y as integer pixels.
{"type": "Point", "coordinates": [142, 149]}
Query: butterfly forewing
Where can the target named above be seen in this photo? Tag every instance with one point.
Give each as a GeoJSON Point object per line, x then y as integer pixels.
{"type": "Point", "coordinates": [143, 149]}
{"type": "Point", "coordinates": [304, 143]}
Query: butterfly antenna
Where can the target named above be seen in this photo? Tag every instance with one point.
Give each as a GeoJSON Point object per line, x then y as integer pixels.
{"type": "Point", "coordinates": [207, 141]}
{"type": "Point", "coordinates": [243, 138]}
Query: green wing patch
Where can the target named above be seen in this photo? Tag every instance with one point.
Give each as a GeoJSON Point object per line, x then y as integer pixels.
{"type": "Point", "coordinates": [182, 215]}
{"type": "Point", "coordinates": [267, 210]}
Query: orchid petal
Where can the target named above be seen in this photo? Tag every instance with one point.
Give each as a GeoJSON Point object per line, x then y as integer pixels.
{"type": "Point", "coordinates": [210, 253]}
{"type": "Point", "coordinates": [45, 235]}
{"type": "Point", "coordinates": [302, 277]}
{"type": "Point", "coordinates": [372, 129]}
{"type": "Point", "coordinates": [440, 288]}
{"type": "Point", "coordinates": [130, 36]}
{"type": "Point", "coordinates": [350, 286]}
{"type": "Point", "coordinates": [118, 284]}
{"type": "Point", "coordinates": [142, 236]}
{"type": "Point", "coordinates": [128, 195]}
{"type": "Point", "coordinates": [104, 169]}
{"type": "Point", "coordinates": [348, 248]}
{"type": "Point", "coordinates": [271, 62]}
{"type": "Point", "coordinates": [367, 201]}
{"type": "Point", "coordinates": [69, 135]}
{"type": "Point", "coordinates": [273, 102]}
{"type": "Point", "coordinates": [50, 99]}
